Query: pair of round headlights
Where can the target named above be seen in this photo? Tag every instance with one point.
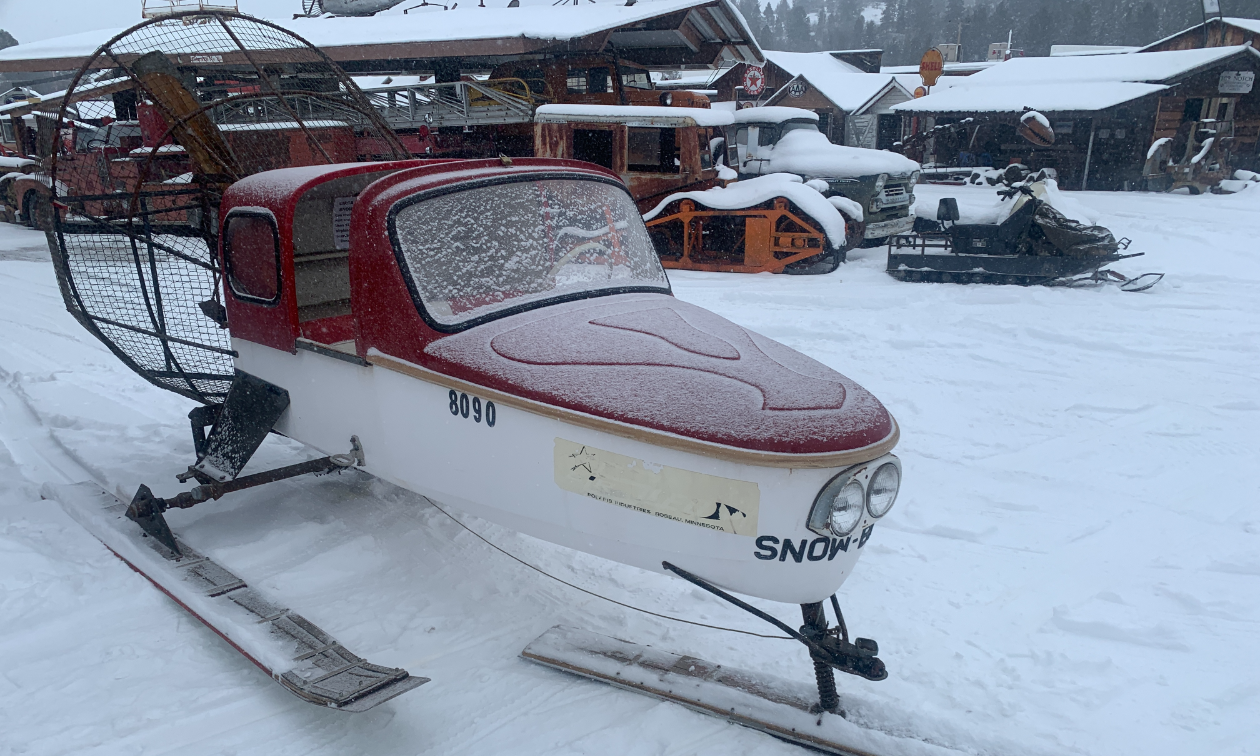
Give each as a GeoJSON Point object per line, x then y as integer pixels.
{"type": "Point", "coordinates": [842, 501]}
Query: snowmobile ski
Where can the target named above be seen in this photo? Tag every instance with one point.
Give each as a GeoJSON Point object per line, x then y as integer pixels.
{"type": "Point", "coordinates": [773, 705]}
{"type": "Point", "coordinates": [304, 659]}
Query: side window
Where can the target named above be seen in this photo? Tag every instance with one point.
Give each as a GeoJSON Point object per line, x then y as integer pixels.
{"type": "Point", "coordinates": [598, 80]}
{"type": "Point", "coordinates": [652, 151]}
{"type": "Point", "coordinates": [704, 144]}
{"type": "Point", "coordinates": [577, 81]}
{"type": "Point", "coordinates": [593, 146]}
{"type": "Point", "coordinates": [636, 80]}
{"type": "Point", "coordinates": [251, 249]}
{"type": "Point", "coordinates": [767, 136]}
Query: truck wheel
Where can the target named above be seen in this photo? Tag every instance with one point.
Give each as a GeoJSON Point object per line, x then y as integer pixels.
{"type": "Point", "coordinates": [39, 213]}
{"type": "Point", "coordinates": [28, 209]}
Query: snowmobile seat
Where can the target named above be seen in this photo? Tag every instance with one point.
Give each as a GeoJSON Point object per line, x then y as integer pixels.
{"type": "Point", "coordinates": [947, 210]}
{"type": "Point", "coordinates": [991, 239]}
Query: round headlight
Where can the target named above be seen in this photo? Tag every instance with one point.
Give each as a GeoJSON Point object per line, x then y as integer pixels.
{"type": "Point", "coordinates": [883, 490]}
{"type": "Point", "coordinates": [846, 509]}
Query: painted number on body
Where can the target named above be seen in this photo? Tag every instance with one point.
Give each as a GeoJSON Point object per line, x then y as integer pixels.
{"type": "Point", "coordinates": [462, 405]}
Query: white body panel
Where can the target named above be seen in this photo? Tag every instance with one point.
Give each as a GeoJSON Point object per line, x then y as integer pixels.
{"type": "Point", "coordinates": [507, 474]}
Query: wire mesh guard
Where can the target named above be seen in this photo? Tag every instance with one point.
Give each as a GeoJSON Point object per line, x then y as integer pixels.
{"type": "Point", "coordinates": [153, 129]}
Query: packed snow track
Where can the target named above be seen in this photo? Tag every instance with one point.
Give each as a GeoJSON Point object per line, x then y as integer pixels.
{"type": "Point", "coordinates": [1070, 569]}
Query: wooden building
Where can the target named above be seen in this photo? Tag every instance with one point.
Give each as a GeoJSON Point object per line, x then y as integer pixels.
{"type": "Point", "coordinates": [852, 98]}
{"type": "Point", "coordinates": [1106, 111]}
{"type": "Point", "coordinates": [667, 34]}
{"type": "Point", "coordinates": [1217, 32]}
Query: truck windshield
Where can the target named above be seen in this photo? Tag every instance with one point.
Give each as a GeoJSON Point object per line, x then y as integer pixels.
{"type": "Point", "coordinates": [486, 252]}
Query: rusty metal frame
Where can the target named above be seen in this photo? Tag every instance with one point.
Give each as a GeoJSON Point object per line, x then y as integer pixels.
{"type": "Point", "coordinates": [764, 257]}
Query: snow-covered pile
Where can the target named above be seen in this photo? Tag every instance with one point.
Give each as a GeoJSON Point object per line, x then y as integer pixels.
{"type": "Point", "coordinates": [807, 196]}
{"type": "Point", "coordinates": [811, 154]}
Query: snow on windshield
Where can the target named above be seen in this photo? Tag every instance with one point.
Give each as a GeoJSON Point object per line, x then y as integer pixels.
{"type": "Point", "coordinates": [480, 251]}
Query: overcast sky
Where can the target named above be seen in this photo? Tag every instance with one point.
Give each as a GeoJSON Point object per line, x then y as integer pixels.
{"type": "Point", "coordinates": [32, 20]}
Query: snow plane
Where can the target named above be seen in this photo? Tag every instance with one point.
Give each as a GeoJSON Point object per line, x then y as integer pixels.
{"type": "Point", "coordinates": [499, 335]}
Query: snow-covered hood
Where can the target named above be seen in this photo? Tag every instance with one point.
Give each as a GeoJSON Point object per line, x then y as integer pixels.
{"type": "Point", "coordinates": [812, 155]}
{"type": "Point", "coordinates": [655, 361]}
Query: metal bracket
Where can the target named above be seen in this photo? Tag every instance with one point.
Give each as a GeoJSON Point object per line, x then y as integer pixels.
{"type": "Point", "coordinates": [858, 658]}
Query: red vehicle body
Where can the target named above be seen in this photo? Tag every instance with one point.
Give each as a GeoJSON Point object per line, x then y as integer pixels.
{"type": "Point", "coordinates": [358, 301]}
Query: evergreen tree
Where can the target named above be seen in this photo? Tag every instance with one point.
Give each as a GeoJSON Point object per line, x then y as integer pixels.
{"type": "Point", "coordinates": [909, 27]}
{"type": "Point", "coordinates": [6, 39]}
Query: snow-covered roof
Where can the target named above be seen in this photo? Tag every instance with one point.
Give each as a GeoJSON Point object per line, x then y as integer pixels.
{"type": "Point", "coordinates": [280, 125]}
{"type": "Point", "coordinates": [774, 114]}
{"type": "Point", "coordinates": [1063, 51]}
{"type": "Point", "coordinates": [469, 23]}
{"type": "Point", "coordinates": [53, 99]}
{"type": "Point", "coordinates": [950, 70]}
{"type": "Point", "coordinates": [1070, 83]}
{"type": "Point", "coordinates": [848, 87]}
{"type": "Point", "coordinates": [370, 83]}
{"type": "Point", "coordinates": [633, 115]}
{"type": "Point", "coordinates": [1250, 24]}
{"type": "Point", "coordinates": [1015, 98]}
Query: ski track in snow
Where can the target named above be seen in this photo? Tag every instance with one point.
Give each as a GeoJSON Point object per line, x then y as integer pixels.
{"type": "Point", "coordinates": [1071, 567]}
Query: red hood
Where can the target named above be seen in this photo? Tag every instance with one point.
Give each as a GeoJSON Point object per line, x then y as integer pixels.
{"type": "Point", "coordinates": [654, 361]}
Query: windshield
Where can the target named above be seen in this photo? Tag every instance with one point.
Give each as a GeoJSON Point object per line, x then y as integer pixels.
{"type": "Point", "coordinates": [479, 252]}
{"type": "Point", "coordinates": [795, 125]}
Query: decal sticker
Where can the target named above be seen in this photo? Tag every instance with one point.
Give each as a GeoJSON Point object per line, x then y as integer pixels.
{"type": "Point", "coordinates": [341, 221]}
{"type": "Point", "coordinates": [816, 550]}
{"type": "Point", "coordinates": [706, 501]}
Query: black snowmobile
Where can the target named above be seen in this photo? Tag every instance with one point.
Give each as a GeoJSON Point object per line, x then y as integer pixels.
{"type": "Point", "coordinates": [1036, 244]}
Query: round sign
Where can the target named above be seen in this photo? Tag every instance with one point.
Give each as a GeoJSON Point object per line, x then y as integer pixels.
{"type": "Point", "coordinates": [754, 80]}
{"type": "Point", "coordinates": [796, 89]}
{"type": "Point", "coordinates": [931, 66]}
{"type": "Point", "coordinates": [919, 92]}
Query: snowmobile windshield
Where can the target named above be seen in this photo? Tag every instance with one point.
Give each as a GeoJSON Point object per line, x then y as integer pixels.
{"type": "Point", "coordinates": [485, 252]}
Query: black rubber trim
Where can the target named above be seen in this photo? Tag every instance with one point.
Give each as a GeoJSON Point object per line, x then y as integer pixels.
{"type": "Point", "coordinates": [317, 348]}
{"type": "Point", "coordinates": [399, 258]}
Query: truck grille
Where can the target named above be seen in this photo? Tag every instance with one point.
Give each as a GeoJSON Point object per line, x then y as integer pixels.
{"type": "Point", "coordinates": [894, 195]}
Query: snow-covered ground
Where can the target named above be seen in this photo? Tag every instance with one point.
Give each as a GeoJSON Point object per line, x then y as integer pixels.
{"type": "Point", "coordinates": [1073, 566]}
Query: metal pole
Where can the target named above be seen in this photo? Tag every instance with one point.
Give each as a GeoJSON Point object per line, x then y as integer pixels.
{"type": "Point", "coordinates": [1089, 154]}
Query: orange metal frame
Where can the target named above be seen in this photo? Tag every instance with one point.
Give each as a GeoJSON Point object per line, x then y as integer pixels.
{"type": "Point", "coordinates": [765, 249]}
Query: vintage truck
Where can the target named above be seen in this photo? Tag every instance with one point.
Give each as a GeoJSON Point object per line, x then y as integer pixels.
{"type": "Point", "coordinates": [787, 140]}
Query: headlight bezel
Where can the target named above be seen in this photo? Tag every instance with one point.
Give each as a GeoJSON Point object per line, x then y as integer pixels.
{"type": "Point", "coordinates": [870, 489]}
{"type": "Point", "coordinates": [819, 519]}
